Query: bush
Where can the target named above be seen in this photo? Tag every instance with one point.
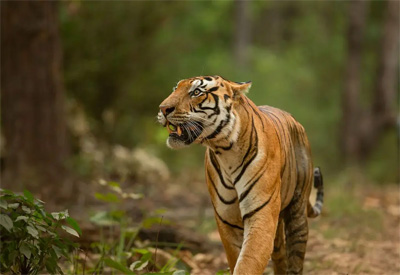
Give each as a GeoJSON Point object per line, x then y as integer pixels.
{"type": "Point", "coordinates": [30, 242]}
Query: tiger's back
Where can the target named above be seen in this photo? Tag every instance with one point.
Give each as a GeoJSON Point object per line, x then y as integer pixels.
{"type": "Point", "coordinates": [296, 153]}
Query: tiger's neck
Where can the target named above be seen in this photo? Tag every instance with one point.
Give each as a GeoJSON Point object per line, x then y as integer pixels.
{"type": "Point", "coordinates": [234, 141]}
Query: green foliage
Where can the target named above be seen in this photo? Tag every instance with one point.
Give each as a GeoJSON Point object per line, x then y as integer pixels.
{"type": "Point", "coordinates": [127, 64]}
{"type": "Point", "coordinates": [30, 239]}
{"type": "Point", "coordinates": [126, 255]}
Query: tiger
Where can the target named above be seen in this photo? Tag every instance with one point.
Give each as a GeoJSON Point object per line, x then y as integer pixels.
{"type": "Point", "coordinates": [258, 171]}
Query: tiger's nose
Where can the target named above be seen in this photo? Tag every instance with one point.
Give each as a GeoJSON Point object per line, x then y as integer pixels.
{"type": "Point", "coordinates": [166, 110]}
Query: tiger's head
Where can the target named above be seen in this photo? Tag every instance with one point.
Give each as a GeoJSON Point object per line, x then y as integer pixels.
{"type": "Point", "coordinates": [201, 110]}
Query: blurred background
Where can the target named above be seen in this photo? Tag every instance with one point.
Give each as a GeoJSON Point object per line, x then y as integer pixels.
{"type": "Point", "coordinates": [81, 83]}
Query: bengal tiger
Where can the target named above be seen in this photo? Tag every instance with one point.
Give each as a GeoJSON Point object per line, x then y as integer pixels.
{"type": "Point", "coordinates": [258, 171]}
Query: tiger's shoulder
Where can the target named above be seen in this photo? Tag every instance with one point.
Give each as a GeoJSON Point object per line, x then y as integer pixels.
{"type": "Point", "coordinates": [281, 118]}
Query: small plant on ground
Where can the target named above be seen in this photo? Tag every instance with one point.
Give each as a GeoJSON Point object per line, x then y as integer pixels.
{"type": "Point", "coordinates": [30, 242]}
{"type": "Point", "coordinates": [125, 254]}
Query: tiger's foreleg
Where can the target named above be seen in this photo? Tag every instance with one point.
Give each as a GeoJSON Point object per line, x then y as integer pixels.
{"type": "Point", "coordinates": [232, 239]}
{"type": "Point", "coordinates": [260, 225]}
{"type": "Point", "coordinates": [279, 257]}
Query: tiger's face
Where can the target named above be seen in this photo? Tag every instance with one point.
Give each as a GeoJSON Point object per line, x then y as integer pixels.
{"type": "Point", "coordinates": [199, 110]}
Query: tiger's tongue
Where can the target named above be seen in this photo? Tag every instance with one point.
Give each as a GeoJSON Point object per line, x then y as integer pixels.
{"type": "Point", "coordinates": [174, 129]}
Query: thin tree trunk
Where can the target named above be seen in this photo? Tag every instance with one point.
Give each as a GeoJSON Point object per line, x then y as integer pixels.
{"type": "Point", "coordinates": [351, 96]}
{"type": "Point", "coordinates": [387, 75]}
{"type": "Point", "coordinates": [242, 32]}
{"type": "Point", "coordinates": [382, 115]}
{"type": "Point", "coordinates": [363, 128]}
{"type": "Point", "coordinates": [32, 106]}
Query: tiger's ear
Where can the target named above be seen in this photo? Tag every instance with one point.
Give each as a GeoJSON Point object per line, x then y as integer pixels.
{"type": "Point", "coordinates": [240, 88]}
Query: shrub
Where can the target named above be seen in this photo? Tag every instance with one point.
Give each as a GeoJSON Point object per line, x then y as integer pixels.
{"type": "Point", "coordinates": [30, 242]}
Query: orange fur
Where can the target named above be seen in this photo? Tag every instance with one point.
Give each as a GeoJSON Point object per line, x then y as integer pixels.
{"type": "Point", "coordinates": [258, 171]}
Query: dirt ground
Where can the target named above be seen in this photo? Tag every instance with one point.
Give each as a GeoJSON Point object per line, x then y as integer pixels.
{"type": "Point", "coordinates": [357, 233]}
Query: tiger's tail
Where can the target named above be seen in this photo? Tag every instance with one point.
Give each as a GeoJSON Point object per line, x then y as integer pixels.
{"type": "Point", "coordinates": [315, 211]}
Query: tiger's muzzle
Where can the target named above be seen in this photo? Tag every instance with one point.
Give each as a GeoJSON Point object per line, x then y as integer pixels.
{"type": "Point", "coordinates": [186, 132]}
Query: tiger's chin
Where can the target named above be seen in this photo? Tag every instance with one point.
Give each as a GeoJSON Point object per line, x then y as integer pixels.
{"type": "Point", "coordinates": [176, 143]}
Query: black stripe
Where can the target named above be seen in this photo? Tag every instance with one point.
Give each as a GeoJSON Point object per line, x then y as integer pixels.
{"type": "Point", "coordinates": [217, 168]}
{"type": "Point", "coordinates": [221, 125]}
{"type": "Point", "coordinates": [216, 190]}
{"type": "Point", "coordinates": [251, 213]}
{"type": "Point", "coordinates": [299, 228]}
{"type": "Point", "coordinates": [251, 158]}
{"type": "Point", "coordinates": [213, 89]}
{"type": "Point", "coordinates": [257, 112]}
{"type": "Point", "coordinates": [305, 234]}
{"type": "Point", "coordinates": [248, 149]}
{"type": "Point", "coordinates": [215, 108]}
{"type": "Point", "coordinates": [225, 222]}
{"type": "Point", "coordinates": [296, 253]}
{"type": "Point", "coordinates": [226, 148]}
{"type": "Point", "coordinates": [320, 196]}
{"type": "Point", "coordinates": [197, 111]}
{"type": "Point", "coordinates": [245, 193]}
{"type": "Point", "coordinates": [298, 242]}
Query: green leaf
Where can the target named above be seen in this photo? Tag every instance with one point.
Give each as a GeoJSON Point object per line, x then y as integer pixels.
{"type": "Point", "coordinates": [180, 272]}
{"type": "Point", "coordinates": [26, 209]}
{"type": "Point", "coordinates": [70, 230]}
{"type": "Point", "coordinates": [74, 225]}
{"type": "Point", "coordinates": [24, 249]}
{"type": "Point", "coordinates": [28, 195]}
{"type": "Point", "coordinates": [21, 218]}
{"type": "Point", "coordinates": [223, 272]}
{"type": "Point", "coordinates": [150, 221]}
{"type": "Point", "coordinates": [6, 222]}
{"type": "Point", "coordinates": [116, 265]}
{"type": "Point", "coordinates": [133, 196]}
{"type": "Point", "coordinates": [9, 192]}
{"type": "Point", "coordinates": [138, 265]}
{"type": "Point", "coordinates": [13, 205]}
{"type": "Point", "coordinates": [51, 265]}
{"type": "Point", "coordinates": [146, 257]}
{"type": "Point", "coordinates": [60, 215]}
{"type": "Point", "coordinates": [113, 184]}
{"type": "Point", "coordinates": [141, 250]}
{"type": "Point", "coordinates": [159, 273]}
{"type": "Point", "coordinates": [102, 218]}
{"type": "Point", "coordinates": [3, 204]}
{"type": "Point", "coordinates": [57, 251]}
{"type": "Point", "coordinates": [41, 228]}
{"type": "Point", "coordinates": [32, 231]}
{"type": "Point", "coordinates": [13, 254]}
{"type": "Point", "coordinates": [109, 197]}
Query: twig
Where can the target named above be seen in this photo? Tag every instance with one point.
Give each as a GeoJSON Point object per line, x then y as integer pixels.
{"type": "Point", "coordinates": [84, 264]}
{"type": "Point", "coordinates": [155, 252]}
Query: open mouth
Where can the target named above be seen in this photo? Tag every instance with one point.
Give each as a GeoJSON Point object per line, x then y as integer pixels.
{"type": "Point", "coordinates": [186, 132]}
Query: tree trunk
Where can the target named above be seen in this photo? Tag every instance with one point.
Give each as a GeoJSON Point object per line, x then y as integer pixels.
{"type": "Point", "coordinates": [363, 128]}
{"type": "Point", "coordinates": [32, 106]}
{"type": "Point", "coordinates": [242, 32]}
{"type": "Point", "coordinates": [351, 97]}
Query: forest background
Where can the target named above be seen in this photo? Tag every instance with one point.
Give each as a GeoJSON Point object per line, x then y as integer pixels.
{"type": "Point", "coordinates": [81, 83]}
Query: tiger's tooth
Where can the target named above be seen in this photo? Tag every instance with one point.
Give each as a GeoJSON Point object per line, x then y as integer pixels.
{"type": "Point", "coordinates": [179, 130]}
{"type": "Point", "coordinates": [169, 128]}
